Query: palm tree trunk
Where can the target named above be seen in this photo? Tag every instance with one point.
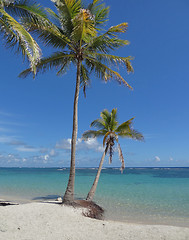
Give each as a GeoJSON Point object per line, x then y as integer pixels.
{"type": "Point", "coordinates": [69, 194]}
{"type": "Point", "coordinates": [91, 193]}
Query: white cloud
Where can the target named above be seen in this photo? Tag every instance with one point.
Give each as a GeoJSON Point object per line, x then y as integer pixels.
{"type": "Point", "coordinates": [157, 159]}
{"type": "Point", "coordinates": [9, 158]}
{"type": "Point", "coordinates": [24, 159]}
{"type": "Point", "coordinates": [91, 143]}
{"type": "Point", "coordinates": [170, 159]}
{"type": "Point", "coordinates": [52, 153]}
{"type": "Point", "coordinates": [6, 139]}
{"type": "Point", "coordinates": [27, 149]}
{"type": "Point", "coordinates": [11, 140]}
{"type": "Point", "coordinates": [16, 143]}
{"type": "Point", "coordinates": [46, 157]}
{"type": "Point", "coordinates": [64, 144]}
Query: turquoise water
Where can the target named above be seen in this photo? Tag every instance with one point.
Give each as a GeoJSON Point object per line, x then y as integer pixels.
{"type": "Point", "coordinates": [142, 195]}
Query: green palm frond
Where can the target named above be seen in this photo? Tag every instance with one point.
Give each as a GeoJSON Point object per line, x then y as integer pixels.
{"type": "Point", "coordinates": [109, 40]}
{"type": "Point", "coordinates": [120, 28]}
{"type": "Point", "coordinates": [113, 122]}
{"type": "Point", "coordinates": [114, 60]}
{"type": "Point", "coordinates": [67, 10]}
{"type": "Point", "coordinates": [125, 127]}
{"type": "Point", "coordinates": [107, 44]}
{"type": "Point", "coordinates": [47, 32]}
{"type": "Point", "coordinates": [103, 72]}
{"type": "Point", "coordinates": [133, 134]}
{"type": "Point", "coordinates": [35, 19]}
{"type": "Point", "coordinates": [98, 123]}
{"type": "Point", "coordinates": [84, 29]}
{"type": "Point", "coordinates": [15, 35]}
{"type": "Point", "coordinates": [25, 8]}
{"type": "Point", "coordinates": [100, 11]}
{"type": "Point", "coordinates": [92, 134]}
{"type": "Point", "coordinates": [85, 80]}
{"type": "Point", "coordinates": [58, 60]}
{"type": "Point", "coordinates": [106, 116]}
{"type": "Point", "coordinates": [53, 16]}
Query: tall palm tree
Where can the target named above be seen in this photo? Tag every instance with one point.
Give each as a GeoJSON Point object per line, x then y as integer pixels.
{"type": "Point", "coordinates": [14, 34]}
{"type": "Point", "coordinates": [76, 32]}
{"type": "Point", "coordinates": [109, 128]}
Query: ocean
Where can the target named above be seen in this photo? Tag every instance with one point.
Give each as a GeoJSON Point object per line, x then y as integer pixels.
{"type": "Point", "coordinates": [139, 195]}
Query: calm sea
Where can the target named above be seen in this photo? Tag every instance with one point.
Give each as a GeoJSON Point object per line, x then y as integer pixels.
{"type": "Point", "coordinates": [142, 195]}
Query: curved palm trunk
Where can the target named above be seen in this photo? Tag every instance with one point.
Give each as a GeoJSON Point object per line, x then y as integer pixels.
{"type": "Point", "coordinates": [69, 194]}
{"type": "Point", "coordinates": [91, 193]}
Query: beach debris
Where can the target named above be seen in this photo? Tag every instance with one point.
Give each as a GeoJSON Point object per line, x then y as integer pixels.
{"type": "Point", "coordinates": [5, 203]}
{"type": "Point", "coordinates": [59, 199]}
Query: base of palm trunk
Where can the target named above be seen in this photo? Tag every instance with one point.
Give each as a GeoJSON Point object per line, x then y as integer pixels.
{"type": "Point", "coordinates": [68, 201]}
{"type": "Point", "coordinates": [90, 209]}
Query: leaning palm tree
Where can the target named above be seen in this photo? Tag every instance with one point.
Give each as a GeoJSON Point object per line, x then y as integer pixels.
{"type": "Point", "coordinates": [76, 32]}
{"type": "Point", "coordinates": [109, 128]}
{"type": "Point", "coordinates": [14, 34]}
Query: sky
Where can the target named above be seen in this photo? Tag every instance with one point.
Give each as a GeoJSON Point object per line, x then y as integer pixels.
{"type": "Point", "coordinates": [36, 115]}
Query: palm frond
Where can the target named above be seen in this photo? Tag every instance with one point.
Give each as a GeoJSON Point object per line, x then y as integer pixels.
{"type": "Point", "coordinates": [55, 18]}
{"type": "Point", "coordinates": [109, 40]}
{"type": "Point", "coordinates": [84, 29]}
{"type": "Point", "coordinates": [105, 44]}
{"type": "Point", "coordinates": [106, 116]}
{"type": "Point", "coordinates": [35, 19]}
{"type": "Point", "coordinates": [103, 72]}
{"type": "Point", "coordinates": [25, 8]}
{"type": "Point", "coordinates": [114, 60]}
{"type": "Point", "coordinates": [47, 32]}
{"type": "Point", "coordinates": [56, 60]}
{"type": "Point", "coordinates": [98, 123]}
{"type": "Point", "coordinates": [120, 28]}
{"type": "Point", "coordinates": [100, 11]}
{"type": "Point", "coordinates": [67, 10]}
{"type": "Point", "coordinates": [113, 122]}
{"type": "Point", "coordinates": [133, 134]}
{"type": "Point", "coordinates": [92, 134]}
{"type": "Point", "coordinates": [125, 127]}
{"type": "Point", "coordinates": [16, 35]}
{"type": "Point", "coordinates": [85, 80]}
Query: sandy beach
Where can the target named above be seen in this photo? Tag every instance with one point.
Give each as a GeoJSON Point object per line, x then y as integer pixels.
{"type": "Point", "coordinates": [44, 221]}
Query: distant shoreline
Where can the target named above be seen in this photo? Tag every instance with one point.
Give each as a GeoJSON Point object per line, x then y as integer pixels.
{"type": "Point", "coordinates": [96, 167]}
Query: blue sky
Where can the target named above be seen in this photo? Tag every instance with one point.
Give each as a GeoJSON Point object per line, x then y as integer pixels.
{"type": "Point", "coordinates": [36, 115]}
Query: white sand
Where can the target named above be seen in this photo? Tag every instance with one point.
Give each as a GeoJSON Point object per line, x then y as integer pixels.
{"type": "Point", "coordinates": [44, 221]}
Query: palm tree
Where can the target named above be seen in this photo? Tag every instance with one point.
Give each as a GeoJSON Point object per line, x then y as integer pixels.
{"type": "Point", "coordinates": [76, 32]}
{"type": "Point", "coordinates": [109, 128]}
{"type": "Point", "coordinates": [14, 34]}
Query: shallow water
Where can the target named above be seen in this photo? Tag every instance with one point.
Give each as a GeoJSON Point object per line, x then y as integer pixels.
{"type": "Point", "coordinates": [142, 195]}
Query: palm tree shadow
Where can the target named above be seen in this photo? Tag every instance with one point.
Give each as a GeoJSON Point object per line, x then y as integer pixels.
{"type": "Point", "coordinates": [46, 198]}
